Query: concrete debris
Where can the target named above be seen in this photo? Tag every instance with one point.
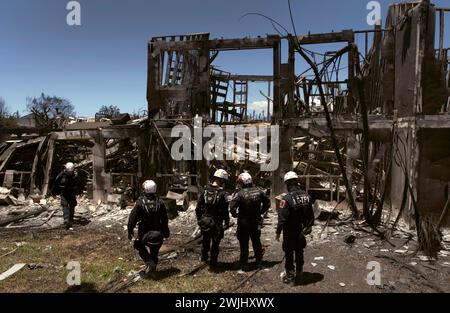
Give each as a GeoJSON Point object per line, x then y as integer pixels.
{"type": "Point", "coordinates": [4, 191]}
{"type": "Point", "coordinates": [314, 264]}
{"type": "Point", "coordinates": [14, 269]}
{"type": "Point", "coordinates": [425, 258]}
{"type": "Point", "coordinates": [318, 258]}
{"type": "Point", "coordinates": [446, 238]}
{"type": "Point", "coordinates": [331, 267]}
{"type": "Point", "coordinates": [324, 211]}
{"type": "Point", "coordinates": [369, 244]}
{"type": "Point", "coordinates": [172, 255]}
{"type": "Point", "coordinates": [342, 284]}
{"type": "Point", "coordinates": [186, 220]}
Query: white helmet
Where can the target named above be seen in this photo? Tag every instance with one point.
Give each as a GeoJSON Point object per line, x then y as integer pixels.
{"type": "Point", "coordinates": [290, 175]}
{"type": "Point", "coordinates": [149, 186]}
{"type": "Point", "coordinates": [221, 174]}
{"type": "Point", "coordinates": [245, 179]}
{"type": "Point", "coordinates": [69, 167]}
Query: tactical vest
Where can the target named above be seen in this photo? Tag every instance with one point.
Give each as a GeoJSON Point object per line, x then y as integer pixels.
{"type": "Point", "coordinates": [300, 201]}
{"type": "Point", "coordinates": [211, 196]}
{"type": "Point", "coordinates": [151, 207]}
{"type": "Point", "coordinates": [251, 202]}
{"type": "Point", "coordinates": [211, 199]}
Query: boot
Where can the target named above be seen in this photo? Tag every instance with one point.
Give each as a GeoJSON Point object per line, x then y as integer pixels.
{"type": "Point", "coordinates": [213, 263]}
{"type": "Point", "coordinates": [149, 269]}
{"type": "Point", "coordinates": [243, 265]}
{"type": "Point", "coordinates": [204, 258]}
{"type": "Point", "coordinates": [67, 224]}
{"type": "Point", "coordinates": [299, 276]}
{"type": "Point", "coordinates": [289, 279]}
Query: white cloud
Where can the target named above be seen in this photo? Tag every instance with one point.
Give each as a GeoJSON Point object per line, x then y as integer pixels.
{"type": "Point", "coordinates": [259, 105]}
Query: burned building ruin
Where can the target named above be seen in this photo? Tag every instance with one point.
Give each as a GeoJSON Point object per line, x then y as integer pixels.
{"type": "Point", "coordinates": [372, 122]}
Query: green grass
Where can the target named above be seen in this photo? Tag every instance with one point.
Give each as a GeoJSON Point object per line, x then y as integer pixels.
{"type": "Point", "coordinates": [98, 254]}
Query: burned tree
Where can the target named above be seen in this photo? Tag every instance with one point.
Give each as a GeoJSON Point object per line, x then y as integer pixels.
{"type": "Point", "coordinates": [109, 112]}
{"type": "Point", "coordinates": [50, 111]}
{"type": "Point", "coordinates": [4, 112]}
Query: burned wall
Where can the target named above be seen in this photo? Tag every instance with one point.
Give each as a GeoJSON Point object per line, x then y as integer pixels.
{"type": "Point", "coordinates": [410, 57]}
{"type": "Point", "coordinates": [434, 171]}
{"type": "Point", "coordinates": [178, 76]}
{"type": "Point", "coordinates": [403, 169]}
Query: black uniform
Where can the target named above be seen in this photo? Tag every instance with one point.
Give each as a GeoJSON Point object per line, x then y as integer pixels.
{"type": "Point", "coordinates": [212, 213]}
{"type": "Point", "coordinates": [151, 214]}
{"type": "Point", "coordinates": [294, 215]}
{"type": "Point", "coordinates": [67, 186]}
{"type": "Point", "coordinates": [249, 205]}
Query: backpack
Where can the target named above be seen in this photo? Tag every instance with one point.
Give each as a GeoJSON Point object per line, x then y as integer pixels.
{"type": "Point", "coordinates": [251, 195]}
{"type": "Point", "coordinates": [210, 196]}
{"type": "Point", "coordinates": [151, 207]}
{"type": "Point", "coordinates": [301, 202]}
{"type": "Point", "coordinates": [251, 202]}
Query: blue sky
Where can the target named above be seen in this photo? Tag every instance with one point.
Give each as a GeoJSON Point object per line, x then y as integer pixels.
{"type": "Point", "coordinates": [104, 61]}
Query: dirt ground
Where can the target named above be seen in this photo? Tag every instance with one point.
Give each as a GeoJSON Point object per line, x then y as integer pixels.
{"type": "Point", "coordinates": [107, 257]}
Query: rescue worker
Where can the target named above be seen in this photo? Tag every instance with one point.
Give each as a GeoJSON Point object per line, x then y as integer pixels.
{"type": "Point", "coordinates": [295, 220]}
{"type": "Point", "coordinates": [150, 214]}
{"type": "Point", "coordinates": [212, 215]}
{"type": "Point", "coordinates": [67, 185]}
{"type": "Point", "coordinates": [248, 205]}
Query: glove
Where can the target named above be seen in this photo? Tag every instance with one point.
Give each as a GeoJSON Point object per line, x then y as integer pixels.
{"type": "Point", "coordinates": [307, 230]}
{"type": "Point", "coordinates": [130, 236]}
{"type": "Point", "coordinates": [277, 237]}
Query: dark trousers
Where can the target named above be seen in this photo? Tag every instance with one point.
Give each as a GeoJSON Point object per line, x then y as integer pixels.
{"type": "Point", "coordinates": [149, 258]}
{"type": "Point", "coordinates": [244, 233]}
{"type": "Point", "coordinates": [293, 250]}
{"type": "Point", "coordinates": [211, 242]}
{"type": "Point", "coordinates": [68, 204]}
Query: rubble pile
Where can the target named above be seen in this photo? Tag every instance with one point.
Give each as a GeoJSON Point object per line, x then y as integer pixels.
{"type": "Point", "coordinates": [51, 215]}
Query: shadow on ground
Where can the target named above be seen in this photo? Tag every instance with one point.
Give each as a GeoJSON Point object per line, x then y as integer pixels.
{"type": "Point", "coordinates": [83, 288]}
{"type": "Point", "coordinates": [310, 278]}
{"type": "Point", "coordinates": [163, 274]}
{"type": "Point", "coordinates": [82, 221]}
{"type": "Point", "coordinates": [234, 266]}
